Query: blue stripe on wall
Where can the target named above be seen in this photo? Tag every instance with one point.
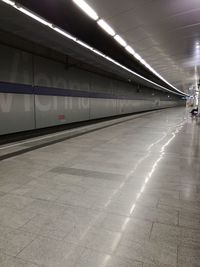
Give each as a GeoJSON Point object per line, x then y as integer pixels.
{"type": "Point", "coordinates": [68, 92]}
{"type": "Point", "coordinates": [13, 88]}
{"type": "Point", "coordinates": [59, 92]}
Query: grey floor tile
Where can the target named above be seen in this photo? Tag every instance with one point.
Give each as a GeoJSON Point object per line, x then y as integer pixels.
{"type": "Point", "coordinates": [90, 258]}
{"type": "Point", "coordinates": [15, 202]}
{"type": "Point", "coordinates": [188, 257]}
{"type": "Point", "coordinates": [13, 242]}
{"type": "Point", "coordinates": [101, 240]}
{"type": "Point", "coordinates": [87, 173]}
{"type": "Point", "coordinates": [4, 259]}
{"type": "Point", "coordinates": [60, 179]}
{"type": "Point", "coordinates": [122, 262]}
{"type": "Point", "coordinates": [51, 253]}
{"type": "Point", "coordinates": [2, 194]}
{"type": "Point", "coordinates": [189, 219]}
{"type": "Point", "coordinates": [7, 187]}
{"type": "Point", "coordinates": [76, 199]}
{"type": "Point", "coordinates": [45, 226]}
{"type": "Point", "coordinates": [148, 252]}
{"type": "Point", "coordinates": [166, 233]}
{"type": "Point", "coordinates": [104, 167]}
{"type": "Point", "coordinates": [13, 218]}
{"type": "Point", "coordinates": [131, 228]}
{"type": "Point", "coordinates": [123, 196]}
{"type": "Point", "coordinates": [156, 265]}
{"type": "Point", "coordinates": [168, 216]}
{"type": "Point", "coordinates": [93, 258]}
{"type": "Point", "coordinates": [45, 208]}
{"type": "Point", "coordinates": [181, 204]}
{"type": "Point", "coordinates": [15, 262]}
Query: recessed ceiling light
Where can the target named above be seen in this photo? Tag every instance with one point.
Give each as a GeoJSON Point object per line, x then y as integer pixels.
{"type": "Point", "coordinates": [137, 56]}
{"type": "Point", "coordinates": [9, 2]}
{"type": "Point", "coordinates": [34, 16]}
{"type": "Point", "coordinates": [120, 40]}
{"type": "Point", "coordinates": [87, 9]}
{"type": "Point", "coordinates": [84, 44]}
{"type": "Point", "coordinates": [104, 25]}
{"type": "Point", "coordinates": [64, 33]}
{"type": "Point", "coordinates": [143, 62]}
{"type": "Point", "coordinates": [99, 53]}
{"type": "Point", "coordinates": [130, 50]}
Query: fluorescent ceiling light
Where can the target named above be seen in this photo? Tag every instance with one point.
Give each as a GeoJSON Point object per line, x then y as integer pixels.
{"type": "Point", "coordinates": [87, 9]}
{"type": "Point", "coordinates": [99, 53]}
{"type": "Point", "coordinates": [104, 25]}
{"type": "Point", "coordinates": [143, 62]}
{"type": "Point", "coordinates": [64, 33]}
{"type": "Point", "coordinates": [110, 59]}
{"type": "Point", "coordinates": [9, 2]}
{"type": "Point", "coordinates": [148, 66]}
{"type": "Point", "coordinates": [156, 72]}
{"type": "Point", "coordinates": [137, 56]}
{"type": "Point", "coordinates": [120, 40]}
{"type": "Point", "coordinates": [151, 69]}
{"type": "Point", "coordinates": [84, 44]}
{"type": "Point", "coordinates": [130, 50]}
{"type": "Point", "coordinates": [34, 16]}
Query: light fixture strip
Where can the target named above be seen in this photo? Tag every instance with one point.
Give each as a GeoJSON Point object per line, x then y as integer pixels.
{"type": "Point", "coordinates": [34, 16]}
{"type": "Point", "coordinates": [69, 36]}
{"type": "Point", "coordinates": [120, 40]}
{"type": "Point", "coordinates": [9, 2]}
{"type": "Point", "coordinates": [84, 44]}
{"type": "Point", "coordinates": [107, 28]}
{"type": "Point", "coordinates": [130, 50]}
{"type": "Point", "coordinates": [87, 9]}
{"type": "Point", "coordinates": [137, 56]}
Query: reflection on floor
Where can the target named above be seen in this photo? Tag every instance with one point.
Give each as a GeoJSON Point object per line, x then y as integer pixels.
{"type": "Point", "coordinates": [124, 196]}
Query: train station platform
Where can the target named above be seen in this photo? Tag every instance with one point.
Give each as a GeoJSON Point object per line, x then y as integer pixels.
{"type": "Point", "coordinates": [121, 196]}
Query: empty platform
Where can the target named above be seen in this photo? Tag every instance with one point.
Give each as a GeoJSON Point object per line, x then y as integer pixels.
{"type": "Point", "coordinates": [123, 196]}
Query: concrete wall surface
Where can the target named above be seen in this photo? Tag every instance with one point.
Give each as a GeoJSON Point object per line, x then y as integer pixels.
{"type": "Point", "coordinates": [37, 92]}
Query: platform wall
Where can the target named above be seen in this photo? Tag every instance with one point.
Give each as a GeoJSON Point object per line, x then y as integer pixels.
{"type": "Point", "coordinates": [37, 92]}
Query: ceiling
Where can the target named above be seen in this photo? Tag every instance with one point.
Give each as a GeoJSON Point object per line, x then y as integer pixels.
{"type": "Point", "coordinates": [163, 32]}
{"type": "Point", "coordinates": [66, 15]}
{"type": "Point", "coordinates": [19, 24]}
{"type": "Point", "coordinates": [15, 22]}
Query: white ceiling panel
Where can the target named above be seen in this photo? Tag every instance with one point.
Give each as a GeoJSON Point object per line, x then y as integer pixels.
{"type": "Point", "coordinates": [112, 8]}
{"type": "Point", "coordinates": [163, 32]}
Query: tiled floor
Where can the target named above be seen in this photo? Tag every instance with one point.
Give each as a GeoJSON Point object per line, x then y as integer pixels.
{"type": "Point", "coordinates": [123, 196]}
